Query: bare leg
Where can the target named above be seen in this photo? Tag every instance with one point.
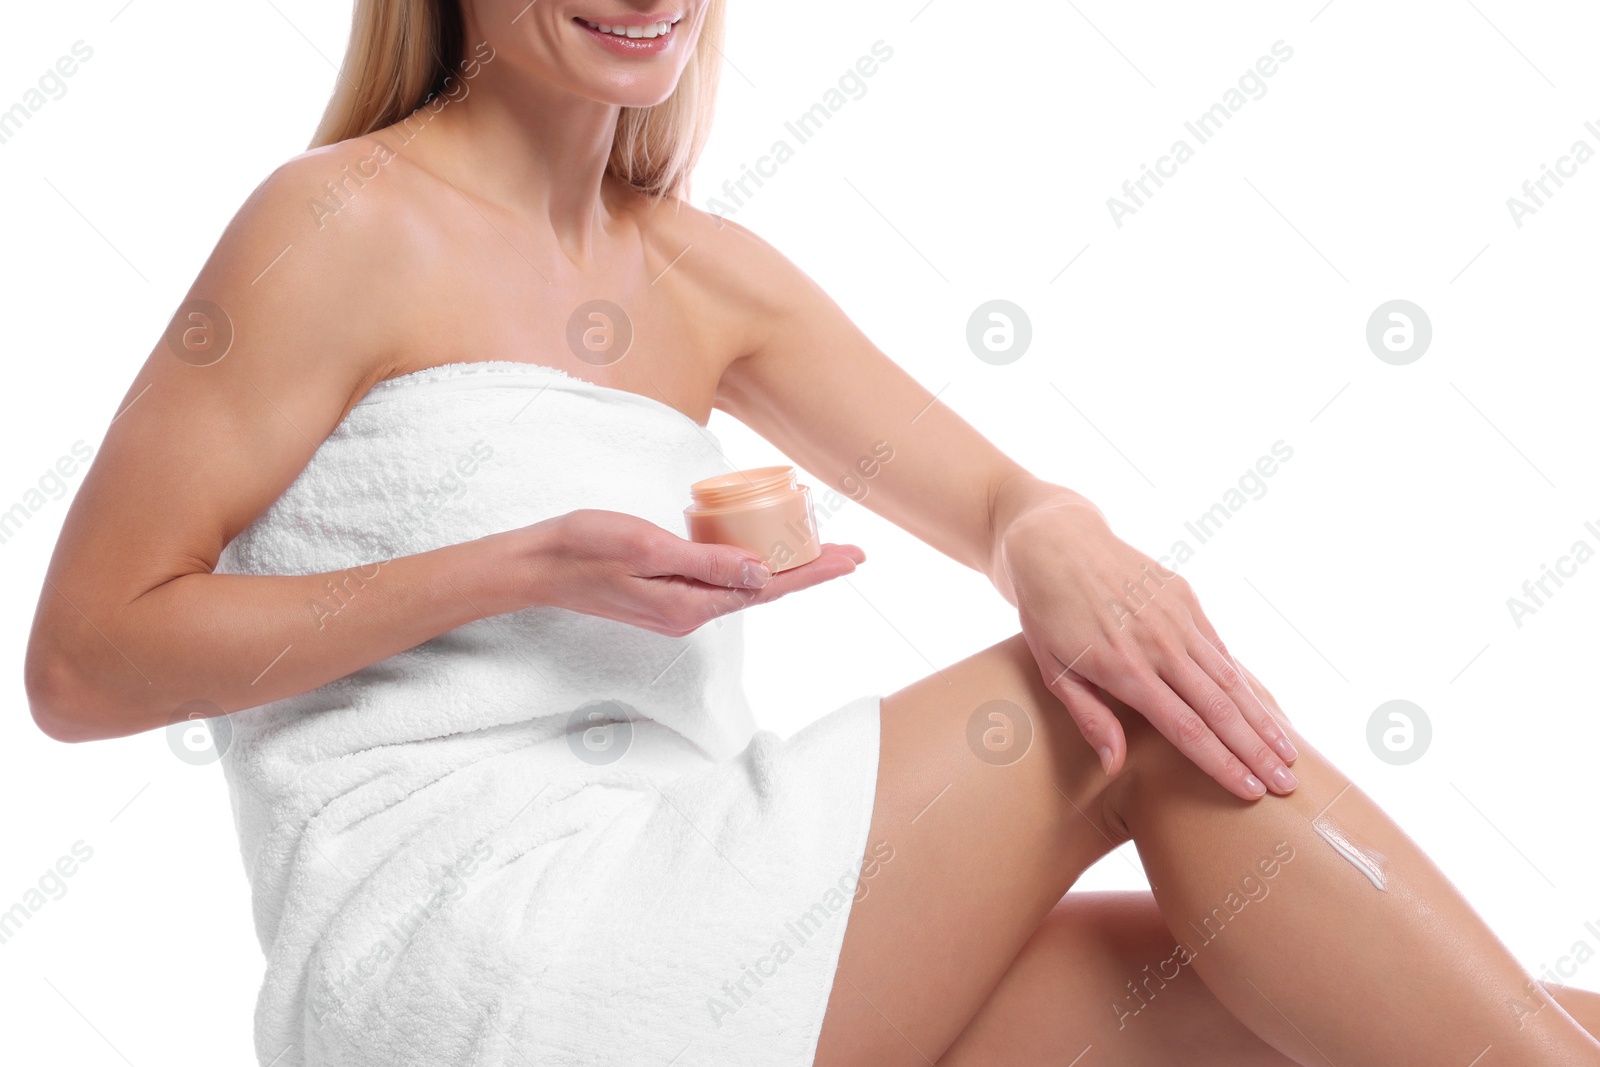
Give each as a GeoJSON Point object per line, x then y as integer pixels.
{"type": "Point", "coordinates": [1064, 995]}
{"type": "Point", "coordinates": [1581, 1004]}
{"type": "Point", "coordinates": [1053, 1003]}
{"type": "Point", "coordinates": [1322, 965]}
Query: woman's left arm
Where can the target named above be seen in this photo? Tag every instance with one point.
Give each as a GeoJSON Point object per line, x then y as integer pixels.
{"type": "Point", "coordinates": [1095, 611]}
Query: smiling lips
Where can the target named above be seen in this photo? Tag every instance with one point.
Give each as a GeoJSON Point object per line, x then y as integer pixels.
{"type": "Point", "coordinates": [647, 31]}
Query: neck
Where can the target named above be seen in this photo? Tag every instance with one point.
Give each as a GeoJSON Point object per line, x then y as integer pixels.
{"type": "Point", "coordinates": [530, 147]}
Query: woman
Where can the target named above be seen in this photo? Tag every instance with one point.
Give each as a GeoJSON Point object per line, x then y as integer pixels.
{"type": "Point", "coordinates": [431, 410]}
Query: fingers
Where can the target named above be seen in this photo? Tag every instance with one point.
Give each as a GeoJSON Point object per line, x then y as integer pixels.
{"type": "Point", "coordinates": [691, 601]}
{"type": "Point", "coordinates": [1236, 719]}
{"type": "Point", "coordinates": [736, 568]}
{"type": "Point", "coordinates": [721, 565]}
{"type": "Point", "coordinates": [835, 562]}
{"type": "Point", "coordinates": [1179, 722]}
{"type": "Point", "coordinates": [1093, 716]}
{"type": "Point", "coordinates": [1246, 693]}
{"type": "Point", "coordinates": [1231, 680]}
{"type": "Point", "coordinates": [1266, 698]}
{"type": "Point", "coordinates": [1095, 720]}
{"type": "Point", "coordinates": [853, 551]}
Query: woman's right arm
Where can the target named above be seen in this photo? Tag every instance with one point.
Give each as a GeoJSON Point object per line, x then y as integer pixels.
{"type": "Point", "coordinates": [132, 623]}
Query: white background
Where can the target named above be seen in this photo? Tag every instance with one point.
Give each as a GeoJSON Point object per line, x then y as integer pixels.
{"type": "Point", "coordinates": [1226, 314]}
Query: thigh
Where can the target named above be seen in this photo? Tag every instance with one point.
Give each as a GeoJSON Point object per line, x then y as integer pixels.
{"type": "Point", "coordinates": [989, 805]}
{"type": "Point", "coordinates": [1099, 979]}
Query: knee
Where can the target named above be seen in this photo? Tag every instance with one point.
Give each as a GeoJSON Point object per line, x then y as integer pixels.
{"type": "Point", "coordinates": [1078, 777]}
{"type": "Point", "coordinates": [1075, 781]}
{"type": "Point", "coordinates": [1154, 768]}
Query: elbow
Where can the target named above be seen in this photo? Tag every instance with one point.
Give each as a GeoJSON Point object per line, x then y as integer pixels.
{"type": "Point", "coordinates": [55, 697]}
{"type": "Point", "coordinates": [65, 730]}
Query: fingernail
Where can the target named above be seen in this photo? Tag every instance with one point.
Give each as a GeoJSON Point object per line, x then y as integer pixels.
{"type": "Point", "coordinates": [1286, 749]}
{"type": "Point", "coordinates": [1253, 784]}
{"type": "Point", "coordinates": [1105, 759]}
{"type": "Point", "coordinates": [754, 574]}
{"type": "Point", "coordinates": [1284, 779]}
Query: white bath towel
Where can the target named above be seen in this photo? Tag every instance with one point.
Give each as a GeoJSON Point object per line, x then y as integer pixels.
{"type": "Point", "coordinates": [542, 837]}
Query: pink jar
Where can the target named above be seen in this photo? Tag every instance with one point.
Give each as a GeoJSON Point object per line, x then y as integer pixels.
{"type": "Point", "coordinates": [761, 510]}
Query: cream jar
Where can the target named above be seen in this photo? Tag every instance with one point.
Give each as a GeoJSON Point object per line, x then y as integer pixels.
{"type": "Point", "coordinates": [761, 510]}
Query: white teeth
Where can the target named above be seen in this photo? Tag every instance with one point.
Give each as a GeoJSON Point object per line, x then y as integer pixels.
{"type": "Point", "coordinates": [654, 30]}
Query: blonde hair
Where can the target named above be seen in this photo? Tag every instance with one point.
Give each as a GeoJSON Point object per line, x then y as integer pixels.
{"type": "Point", "coordinates": [402, 51]}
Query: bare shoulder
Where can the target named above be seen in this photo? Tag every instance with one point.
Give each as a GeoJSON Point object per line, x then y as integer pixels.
{"type": "Point", "coordinates": [297, 263]}
{"type": "Point", "coordinates": [753, 307]}
{"type": "Point", "coordinates": [332, 202]}
{"type": "Point", "coordinates": [743, 273]}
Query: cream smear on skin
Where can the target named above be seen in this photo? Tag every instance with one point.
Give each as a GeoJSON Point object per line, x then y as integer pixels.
{"type": "Point", "coordinates": [1367, 862]}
